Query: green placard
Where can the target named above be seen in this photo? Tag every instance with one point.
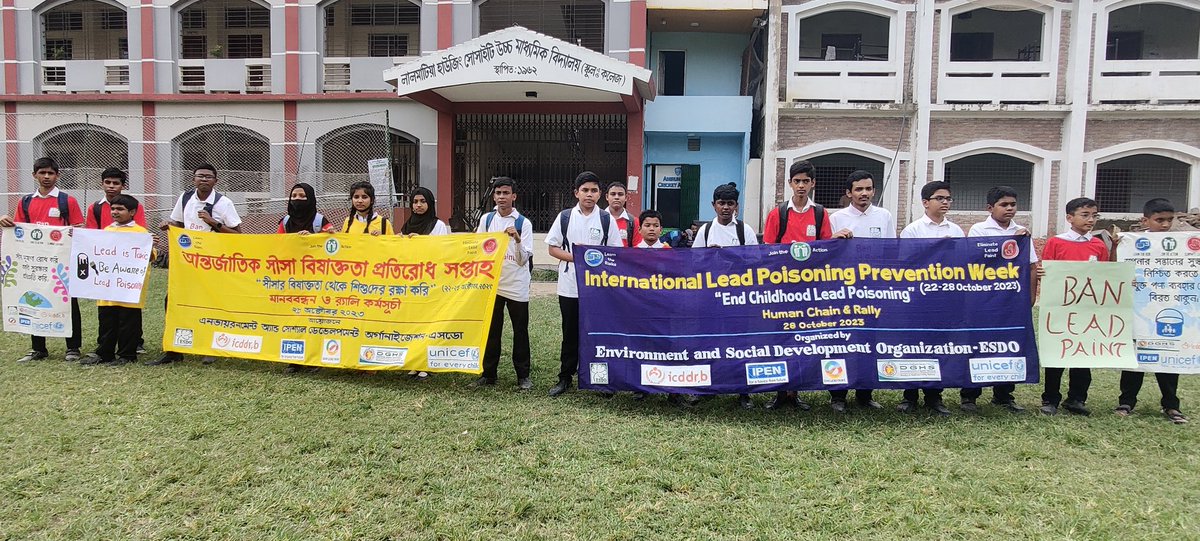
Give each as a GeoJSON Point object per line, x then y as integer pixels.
{"type": "Point", "coordinates": [1085, 315]}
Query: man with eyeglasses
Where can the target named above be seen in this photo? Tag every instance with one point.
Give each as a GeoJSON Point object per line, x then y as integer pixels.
{"type": "Point", "coordinates": [201, 209]}
{"type": "Point", "coordinates": [935, 196]}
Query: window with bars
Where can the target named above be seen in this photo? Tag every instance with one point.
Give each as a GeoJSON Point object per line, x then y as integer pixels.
{"type": "Point", "coordinates": [387, 44]}
{"type": "Point", "coordinates": [58, 49]}
{"type": "Point", "coordinates": [1125, 184]}
{"type": "Point", "coordinates": [193, 19]}
{"type": "Point", "coordinates": [57, 21]}
{"type": "Point", "coordinates": [113, 19]}
{"type": "Point", "coordinates": [575, 21]}
{"type": "Point", "coordinates": [194, 47]}
{"type": "Point", "coordinates": [832, 170]}
{"type": "Point", "coordinates": [123, 48]}
{"type": "Point", "coordinates": [247, 17]}
{"type": "Point", "coordinates": [246, 46]}
{"type": "Point", "coordinates": [971, 177]}
{"type": "Point", "coordinates": [384, 14]}
{"type": "Point", "coordinates": [844, 35]}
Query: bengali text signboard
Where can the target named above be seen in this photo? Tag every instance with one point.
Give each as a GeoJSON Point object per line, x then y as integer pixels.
{"type": "Point", "coordinates": [35, 264]}
{"type": "Point", "coordinates": [1166, 299]}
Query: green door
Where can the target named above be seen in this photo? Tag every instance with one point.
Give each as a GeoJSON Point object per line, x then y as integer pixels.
{"type": "Point", "coordinates": [689, 197]}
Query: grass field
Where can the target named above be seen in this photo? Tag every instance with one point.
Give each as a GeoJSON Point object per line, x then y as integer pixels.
{"type": "Point", "coordinates": [239, 450]}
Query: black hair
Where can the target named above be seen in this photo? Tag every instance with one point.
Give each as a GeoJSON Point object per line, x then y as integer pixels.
{"type": "Point", "coordinates": [125, 200]}
{"type": "Point", "coordinates": [586, 177]}
{"type": "Point", "coordinates": [615, 183]}
{"type": "Point", "coordinates": [1157, 205]}
{"type": "Point", "coordinates": [996, 193]}
{"type": "Point", "coordinates": [857, 176]}
{"type": "Point", "coordinates": [205, 167]}
{"type": "Point", "coordinates": [370, 191]}
{"type": "Point", "coordinates": [504, 181]}
{"type": "Point", "coordinates": [45, 163]}
{"type": "Point", "coordinates": [802, 166]}
{"type": "Point", "coordinates": [726, 192]}
{"type": "Point", "coordinates": [651, 213]}
{"type": "Point", "coordinates": [113, 172]}
{"type": "Point", "coordinates": [931, 188]}
{"type": "Point", "coordinates": [1080, 202]}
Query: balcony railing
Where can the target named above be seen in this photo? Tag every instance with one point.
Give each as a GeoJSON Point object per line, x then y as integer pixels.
{"type": "Point", "coordinates": [225, 75]}
{"type": "Point", "coordinates": [996, 82]}
{"type": "Point", "coordinates": [844, 81]}
{"type": "Point", "coordinates": [358, 74]}
{"type": "Point", "coordinates": [85, 75]}
{"type": "Point", "coordinates": [1146, 81]}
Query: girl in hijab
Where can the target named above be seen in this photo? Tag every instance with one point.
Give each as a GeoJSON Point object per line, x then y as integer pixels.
{"type": "Point", "coordinates": [423, 220]}
{"type": "Point", "coordinates": [362, 217]}
{"type": "Point", "coordinates": [302, 216]}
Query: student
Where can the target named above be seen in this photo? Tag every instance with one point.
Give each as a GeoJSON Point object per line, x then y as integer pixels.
{"type": "Point", "coordinates": [120, 323]}
{"type": "Point", "coordinates": [627, 225]}
{"type": "Point", "coordinates": [302, 216]}
{"type": "Point", "coordinates": [423, 220]}
{"type": "Point", "coordinates": [1157, 216]}
{"type": "Point", "coordinates": [49, 206]}
{"type": "Point", "coordinates": [688, 236]}
{"type": "Point", "coordinates": [1078, 244]}
{"type": "Point", "coordinates": [114, 182]}
{"type": "Point", "coordinates": [862, 219]}
{"type": "Point", "coordinates": [1002, 207]}
{"type": "Point", "coordinates": [726, 230]}
{"type": "Point", "coordinates": [201, 209]}
{"type": "Point", "coordinates": [650, 230]}
{"type": "Point", "coordinates": [362, 218]}
{"type": "Point", "coordinates": [581, 225]}
{"type": "Point", "coordinates": [935, 196]}
{"type": "Point", "coordinates": [513, 289]}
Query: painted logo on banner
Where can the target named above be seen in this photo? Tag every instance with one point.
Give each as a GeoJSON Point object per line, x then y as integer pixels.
{"type": "Point", "coordinates": [291, 350]}
{"type": "Point", "coordinates": [599, 373]}
{"type": "Point", "coordinates": [382, 356]}
{"type": "Point", "coordinates": [331, 351]}
{"type": "Point", "coordinates": [833, 372]}
{"type": "Point", "coordinates": [766, 373]}
{"type": "Point", "coordinates": [997, 370]}
{"type": "Point", "coordinates": [453, 357]}
{"type": "Point", "coordinates": [676, 376]}
{"type": "Point", "coordinates": [183, 338]}
{"type": "Point", "coordinates": [909, 370]}
{"type": "Point", "coordinates": [237, 343]}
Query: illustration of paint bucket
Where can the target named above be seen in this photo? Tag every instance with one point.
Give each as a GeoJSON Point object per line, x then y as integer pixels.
{"type": "Point", "coordinates": [1170, 323]}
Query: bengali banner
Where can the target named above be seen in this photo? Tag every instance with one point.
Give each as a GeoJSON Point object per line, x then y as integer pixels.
{"type": "Point", "coordinates": [361, 302]}
{"type": "Point", "coordinates": [1084, 315]}
{"type": "Point", "coordinates": [831, 315]}
{"type": "Point", "coordinates": [35, 265]}
{"type": "Point", "coordinates": [1166, 299]}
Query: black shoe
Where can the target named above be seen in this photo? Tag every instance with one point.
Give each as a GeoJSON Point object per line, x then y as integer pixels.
{"type": "Point", "coordinates": [969, 406]}
{"type": "Point", "coordinates": [1010, 405]}
{"type": "Point", "coordinates": [482, 381]}
{"type": "Point", "coordinates": [1048, 408]}
{"type": "Point", "coordinates": [779, 401]}
{"type": "Point", "coordinates": [141, 349]}
{"type": "Point", "coordinates": [122, 361]}
{"type": "Point", "coordinates": [292, 368]}
{"type": "Point", "coordinates": [870, 404]}
{"type": "Point", "coordinates": [92, 358]}
{"type": "Point", "coordinates": [208, 360]}
{"type": "Point", "coordinates": [905, 406]}
{"type": "Point", "coordinates": [639, 396]}
{"type": "Point", "coordinates": [684, 400]}
{"type": "Point", "coordinates": [1076, 407]}
{"type": "Point", "coordinates": [72, 355]}
{"type": "Point", "coordinates": [606, 395]}
{"type": "Point", "coordinates": [745, 402]}
{"type": "Point", "coordinates": [33, 356]}
{"type": "Point", "coordinates": [168, 357]}
{"type": "Point", "coordinates": [563, 386]}
{"type": "Point", "coordinates": [524, 384]}
{"type": "Point", "coordinates": [838, 406]}
{"type": "Point", "coordinates": [938, 407]}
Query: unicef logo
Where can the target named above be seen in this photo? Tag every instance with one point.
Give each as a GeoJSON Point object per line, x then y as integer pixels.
{"type": "Point", "coordinates": [593, 258]}
{"type": "Point", "coordinates": [1142, 244]}
{"type": "Point", "coordinates": [800, 251]}
{"type": "Point", "coordinates": [1169, 244]}
{"type": "Point", "coordinates": [185, 242]}
{"type": "Point", "coordinates": [19, 231]}
{"type": "Point", "coordinates": [332, 246]}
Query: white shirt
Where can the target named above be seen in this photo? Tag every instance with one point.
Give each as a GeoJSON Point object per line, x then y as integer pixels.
{"type": "Point", "coordinates": [514, 274]}
{"type": "Point", "coordinates": [223, 211]}
{"type": "Point", "coordinates": [876, 223]}
{"type": "Point", "coordinates": [658, 244]}
{"type": "Point", "coordinates": [440, 228]}
{"type": "Point", "coordinates": [925, 228]}
{"type": "Point", "coordinates": [990, 228]}
{"type": "Point", "coordinates": [582, 230]}
{"type": "Point", "coordinates": [1072, 236]}
{"type": "Point", "coordinates": [723, 235]}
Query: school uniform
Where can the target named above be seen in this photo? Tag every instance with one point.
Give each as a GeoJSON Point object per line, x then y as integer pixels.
{"type": "Point", "coordinates": [121, 323]}
{"type": "Point", "coordinates": [659, 244]}
{"type": "Point", "coordinates": [100, 215]}
{"type": "Point", "coordinates": [874, 223]}
{"type": "Point", "coordinates": [512, 292]}
{"type": "Point", "coordinates": [715, 234]}
{"type": "Point", "coordinates": [376, 224]}
{"type": "Point", "coordinates": [801, 226]}
{"type": "Point", "coordinates": [625, 222]}
{"type": "Point", "coordinates": [1070, 246]}
{"type": "Point", "coordinates": [44, 210]}
{"type": "Point", "coordinates": [925, 228]}
{"type": "Point", "coordinates": [223, 211]}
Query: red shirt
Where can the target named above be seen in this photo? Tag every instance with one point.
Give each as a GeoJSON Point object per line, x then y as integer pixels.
{"type": "Point", "coordinates": [800, 227]}
{"type": "Point", "coordinates": [622, 227]}
{"type": "Point", "coordinates": [44, 210]}
{"type": "Point", "coordinates": [105, 215]}
{"type": "Point", "coordinates": [1065, 248]}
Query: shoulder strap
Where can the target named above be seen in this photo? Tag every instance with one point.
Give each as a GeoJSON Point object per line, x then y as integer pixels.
{"type": "Point", "coordinates": [64, 207]}
{"type": "Point", "coordinates": [96, 207]}
{"type": "Point", "coordinates": [741, 230]}
{"type": "Point", "coordinates": [216, 197]}
{"type": "Point", "coordinates": [383, 226]}
{"type": "Point", "coordinates": [784, 212]}
{"type": "Point", "coordinates": [520, 225]}
{"type": "Point", "coordinates": [605, 219]}
{"type": "Point", "coordinates": [487, 221]}
{"type": "Point", "coordinates": [629, 231]}
{"type": "Point", "coordinates": [704, 229]}
{"type": "Point", "coordinates": [317, 220]}
{"type": "Point", "coordinates": [564, 222]}
{"type": "Point", "coordinates": [25, 201]}
{"type": "Point", "coordinates": [819, 219]}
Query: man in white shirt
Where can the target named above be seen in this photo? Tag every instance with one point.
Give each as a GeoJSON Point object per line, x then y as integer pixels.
{"type": "Point", "coordinates": [935, 196]}
{"type": "Point", "coordinates": [587, 225]}
{"type": "Point", "coordinates": [513, 289]}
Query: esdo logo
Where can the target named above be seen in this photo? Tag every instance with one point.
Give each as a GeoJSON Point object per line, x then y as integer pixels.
{"type": "Point", "coordinates": [676, 376]}
{"type": "Point", "coordinates": [183, 338]}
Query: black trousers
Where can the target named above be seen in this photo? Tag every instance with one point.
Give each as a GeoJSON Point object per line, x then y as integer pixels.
{"type": "Point", "coordinates": [75, 341]}
{"type": "Point", "coordinates": [1131, 383]}
{"type": "Point", "coordinates": [518, 312]}
{"type": "Point", "coordinates": [860, 395]}
{"type": "Point", "coordinates": [568, 354]}
{"type": "Point", "coordinates": [1077, 387]}
{"type": "Point", "coordinates": [931, 395]}
{"type": "Point", "coordinates": [120, 332]}
{"type": "Point", "coordinates": [1001, 393]}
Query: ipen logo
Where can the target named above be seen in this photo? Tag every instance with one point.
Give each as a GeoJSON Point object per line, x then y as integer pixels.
{"type": "Point", "coordinates": [291, 350]}
{"type": "Point", "coordinates": [766, 373]}
{"type": "Point", "coordinates": [593, 258]}
{"type": "Point", "coordinates": [1143, 244]}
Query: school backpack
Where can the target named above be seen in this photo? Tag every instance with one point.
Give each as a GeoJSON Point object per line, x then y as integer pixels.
{"type": "Point", "coordinates": [564, 222]}
{"type": "Point", "coordinates": [187, 196]}
{"type": "Point", "coordinates": [818, 218]}
{"type": "Point", "coordinates": [520, 226]}
{"type": "Point", "coordinates": [741, 233]}
{"type": "Point", "coordinates": [64, 206]}
{"type": "Point", "coordinates": [318, 220]}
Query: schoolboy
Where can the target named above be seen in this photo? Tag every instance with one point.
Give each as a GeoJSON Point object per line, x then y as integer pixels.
{"type": "Point", "coordinates": [1157, 217]}
{"type": "Point", "coordinates": [120, 323]}
{"type": "Point", "coordinates": [650, 230]}
{"type": "Point", "coordinates": [582, 225]}
{"type": "Point", "coordinates": [1077, 244]}
{"type": "Point", "coordinates": [114, 182]}
{"type": "Point", "coordinates": [627, 225]}
{"type": "Point", "coordinates": [935, 197]}
{"type": "Point", "coordinates": [1001, 207]}
{"type": "Point", "coordinates": [513, 290]}
{"type": "Point", "coordinates": [49, 206]}
{"type": "Point", "coordinates": [201, 209]}
{"type": "Point", "coordinates": [726, 230]}
{"type": "Point", "coordinates": [863, 219]}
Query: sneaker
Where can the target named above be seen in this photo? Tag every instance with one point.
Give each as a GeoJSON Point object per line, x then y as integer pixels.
{"type": "Point", "coordinates": [745, 402]}
{"type": "Point", "coordinates": [482, 382]}
{"type": "Point", "coordinates": [969, 406]}
{"type": "Point", "coordinates": [1175, 416]}
{"type": "Point", "coordinates": [33, 356]}
{"type": "Point", "coordinates": [71, 356]}
{"type": "Point", "coordinates": [905, 406]}
{"type": "Point", "coordinates": [1010, 405]}
{"type": "Point", "coordinates": [167, 357]}
{"type": "Point", "coordinates": [1048, 408]}
{"type": "Point", "coordinates": [838, 406]}
{"type": "Point", "coordinates": [141, 349]}
{"type": "Point", "coordinates": [1076, 407]}
{"type": "Point", "coordinates": [524, 384]}
{"type": "Point", "coordinates": [1124, 410]}
{"type": "Point", "coordinates": [90, 359]}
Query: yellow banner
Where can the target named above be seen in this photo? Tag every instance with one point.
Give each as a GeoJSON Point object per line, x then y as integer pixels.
{"type": "Point", "coordinates": [346, 301]}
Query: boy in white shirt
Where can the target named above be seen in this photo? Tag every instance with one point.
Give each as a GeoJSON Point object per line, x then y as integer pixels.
{"type": "Point", "coordinates": [582, 225]}
{"type": "Point", "coordinates": [513, 289]}
{"type": "Point", "coordinates": [650, 230]}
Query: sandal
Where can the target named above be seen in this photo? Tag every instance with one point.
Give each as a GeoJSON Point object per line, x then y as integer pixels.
{"type": "Point", "coordinates": [1175, 416]}
{"type": "Point", "coordinates": [1124, 410]}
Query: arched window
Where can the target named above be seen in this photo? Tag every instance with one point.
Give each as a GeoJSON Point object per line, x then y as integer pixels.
{"type": "Point", "coordinates": [343, 155]}
{"type": "Point", "coordinates": [988, 34]}
{"type": "Point", "coordinates": [844, 35]}
{"type": "Point", "coordinates": [85, 30]}
{"type": "Point", "coordinates": [832, 170]}
{"type": "Point", "coordinates": [1125, 184]}
{"type": "Point", "coordinates": [1153, 31]}
{"type": "Point", "coordinates": [82, 152]}
{"type": "Point", "coordinates": [380, 28]}
{"type": "Point", "coordinates": [225, 29]}
{"type": "Point", "coordinates": [575, 21]}
{"type": "Point", "coordinates": [971, 177]}
{"type": "Point", "coordinates": [242, 157]}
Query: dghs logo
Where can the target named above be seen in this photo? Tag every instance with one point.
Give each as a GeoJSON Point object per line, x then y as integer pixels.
{"type": "Point", "coordinates": [909, 370]}
{"type": "Point", "coordinates": [382, 356]}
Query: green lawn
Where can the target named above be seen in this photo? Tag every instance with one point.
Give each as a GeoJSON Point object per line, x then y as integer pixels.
{"type": "Point", "coordinates": [239, 450]}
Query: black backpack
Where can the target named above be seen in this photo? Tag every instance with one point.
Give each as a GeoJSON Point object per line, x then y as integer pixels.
{"type": "Point", "coordinates": [564, 222]}
{"type": "Point", "coordinates": [741, 233]}
{"type": "Point", "coordinates": [818, 218]}
{"type": "Point", "coordinates": [64, 206]}
{"type": "Point", "coordinates": [187, 196]}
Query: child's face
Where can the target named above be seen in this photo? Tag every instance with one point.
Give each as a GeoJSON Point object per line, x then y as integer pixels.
{"type": "Point", "coordinates": [651, 229]}
{"type": "Point", "coordinates": [205, 179]}
{"type": "Point", "coordinates": [616, 197]}
{"type": "Point", "coordinates": [419, 204]}
{"type": "Point", "coordinates": [1083, 220]}
{"type": "Point", "coordinates": [504, 197]}
{"type": "Point", "coordinates": [725, 209]}
{"type": "Point", "coordinates": [120, 214]}
{"type": "Point", "coordinates": [46, 178]}
{"type": "Point", "coordinates": [861, 193]}
{"type": "Point", "coordinates": [1159, 222]}
{"type": "Point", "coordinates": [588, 194]}
{"type": "Point", "coordinates": [802, 185]}
{"type": "Point", "coordinates": [360, 200]}
{"type": "Point", "coordinates": [938, 204]}
{"type": "Point", "coordinates": [1004, 210]}
{"type": "Point", "coordinates": [112, 186]}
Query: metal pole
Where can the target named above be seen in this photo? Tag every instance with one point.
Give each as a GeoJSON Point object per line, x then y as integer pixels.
{"type": "Point", "coordinates": [387, 145]}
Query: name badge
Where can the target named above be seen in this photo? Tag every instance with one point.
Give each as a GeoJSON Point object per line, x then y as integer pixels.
{"type": "Point", "coordinates": [876, 232]}
{"type": "Point", "coordinates": [812, 230]}
{"type": "Point", "coordinates": [54, 213]}
{"type": "Point", "coordinates": [595, 234]}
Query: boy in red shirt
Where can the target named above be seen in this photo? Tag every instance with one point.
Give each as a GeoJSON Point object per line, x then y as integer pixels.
{"type": "Point", "coordinates": [1078, 244]}
{"type": "Point", "coordinates": [115, 182]}
{"type": "Point", "coordinates": [49, 206]}
{"type": "Point", "coordinates": [627, 225]}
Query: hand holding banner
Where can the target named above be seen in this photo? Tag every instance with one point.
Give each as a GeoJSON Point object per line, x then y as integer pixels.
{"type": "Point", "coordinates": [1085, 315]}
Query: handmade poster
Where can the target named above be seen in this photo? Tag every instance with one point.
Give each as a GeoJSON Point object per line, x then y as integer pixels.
{"type": "Point", "coordinates": [348, 301]}
{"type": "Point", "coordinates": [1166, 299]}
{"type": "Point", "coordinates": [1085, 315]}
{"type": "Point", "coordinates": [110, 266]}
{"type": "Point", "coordinates": [35, 270]}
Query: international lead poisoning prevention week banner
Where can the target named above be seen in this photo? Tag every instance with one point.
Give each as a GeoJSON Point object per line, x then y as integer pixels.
{"type": "Point", "coordinates": [35, 270]}
{"type": "Point", "coordinates": [1166, 299]}
{"type": "Point", "coordinates": [348, 301]}
{"type": "Point", "coordinates": [850, 314]}
{"type": "Point", "coordinates": [1084, 315]}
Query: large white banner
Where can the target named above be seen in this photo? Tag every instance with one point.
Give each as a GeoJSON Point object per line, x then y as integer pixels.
{"type": "Point", "coordinates": [111, 266]}
{"type": "Point", "coordinates": [1166, 299]}
{"type": "Point", "coordinates": [35, 265]}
